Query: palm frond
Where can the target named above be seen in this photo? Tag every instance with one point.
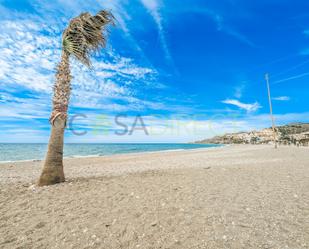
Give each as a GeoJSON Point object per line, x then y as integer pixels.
{"type": "Point", "coordinates": [86, 34]}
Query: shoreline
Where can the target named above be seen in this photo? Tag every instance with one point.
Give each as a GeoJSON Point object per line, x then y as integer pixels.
{"type": "Point", "coordinates": [116, 154]}
{"type": "Point", "coordinates": [217, 146]}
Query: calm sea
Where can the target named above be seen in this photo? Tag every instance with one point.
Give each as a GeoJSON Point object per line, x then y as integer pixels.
{"type": "Point", "coordinates": [17, 152]}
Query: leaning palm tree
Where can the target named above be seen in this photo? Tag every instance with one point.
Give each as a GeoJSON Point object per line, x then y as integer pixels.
{"type": "Point", "coordinates": [84, 35]}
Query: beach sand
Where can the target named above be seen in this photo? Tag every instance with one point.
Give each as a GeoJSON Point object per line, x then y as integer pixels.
{"type": "Point", "coordinates": [233, 197]}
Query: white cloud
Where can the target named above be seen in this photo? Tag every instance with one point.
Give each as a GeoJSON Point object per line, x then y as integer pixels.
{"type": "Point", "coordinates": [242, 38]}
{"type": "Point", "coordinates": [248, 107]}
{"type": "Point", "coordinates": [24, 109]}
{"type": "Point", "coordinates": [124, 67]}
{"type": "Point", "coordinates": [239, 91]}
{"type": "Point", "coordinates": [282, 98]}
{"type": "Point", "coordinates": [306, 32]}
{"type": "Point", "coordinates": [304, 51]}
{"type": "Point", "coordinates": [153, 6]}
{"type": "Point", "coordinates": [222, 25]}
{"type": "Point", "coordinates": [27, 56]}
{"type": "Point", "coordinates": [122, 18]}
{"type": "Point", "coordinates": [298, 76]}
{"type": "Point", "coordinates": [30, 51]}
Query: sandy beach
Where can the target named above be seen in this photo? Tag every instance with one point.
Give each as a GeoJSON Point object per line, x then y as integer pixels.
{"type": "Point", "coordinates": [230, 197]}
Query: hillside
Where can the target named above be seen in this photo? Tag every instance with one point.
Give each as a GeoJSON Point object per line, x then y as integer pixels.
{"type": "Point", "coordinates": [296, 133]}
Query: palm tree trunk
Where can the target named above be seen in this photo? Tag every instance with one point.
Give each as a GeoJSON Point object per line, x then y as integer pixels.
{"type": "Point", "coordinates": [53, 168]}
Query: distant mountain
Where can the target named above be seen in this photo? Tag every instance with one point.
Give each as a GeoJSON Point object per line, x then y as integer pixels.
{"type": "Point", "coordinates": [295, 133]}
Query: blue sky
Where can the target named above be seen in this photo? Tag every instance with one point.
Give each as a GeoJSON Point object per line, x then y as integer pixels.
{"type": "Point", "coordinates": [191, 69]}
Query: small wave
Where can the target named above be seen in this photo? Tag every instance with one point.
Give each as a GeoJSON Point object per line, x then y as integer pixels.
{"type": "Point", "coordinates": [21, 161]}
{"type": "Point", "coordinates": [115, 151]}
{"type": "Point", "coordinates": [83, 156]}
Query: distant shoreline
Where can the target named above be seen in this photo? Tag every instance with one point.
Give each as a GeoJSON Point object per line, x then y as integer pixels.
{"type": "Point", "coordinates": [290, 134]}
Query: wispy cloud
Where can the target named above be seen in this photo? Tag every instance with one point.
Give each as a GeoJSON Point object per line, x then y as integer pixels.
{"type": "Point", "coordinates": [242, 38]}
{"type": "Point", "coordinates": [223, 26]}
{"type": "Point", "coordinates": [27, 55]}
{"type": "Point", "coordinates": [31, 50]}
{"type": "Point", "coordinates": [298, 76]}
{"type": "Point", "coordinates": [239, 90]}
{"type": "Point", "coordinates": [153, 7]}
{"type": "Point", "coordinates": [23, 109]}
{"type": "Point", "coordinates": [282, 98]}
{"type": "Point", "coordinates": [304, 51]}
{"type": "Point", "coordinates": [306, 32]}
{"type": "Point", "coordinates": [245, 106]}
{"type": "Point", "coordinates": [122, 18]}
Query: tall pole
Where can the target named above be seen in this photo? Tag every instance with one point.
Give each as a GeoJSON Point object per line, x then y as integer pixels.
{"type": "Point", "coordinates": [271, 110]}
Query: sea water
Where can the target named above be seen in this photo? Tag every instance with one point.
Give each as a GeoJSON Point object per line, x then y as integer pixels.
{"type": "Point", "coordinates": [27, 151]}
